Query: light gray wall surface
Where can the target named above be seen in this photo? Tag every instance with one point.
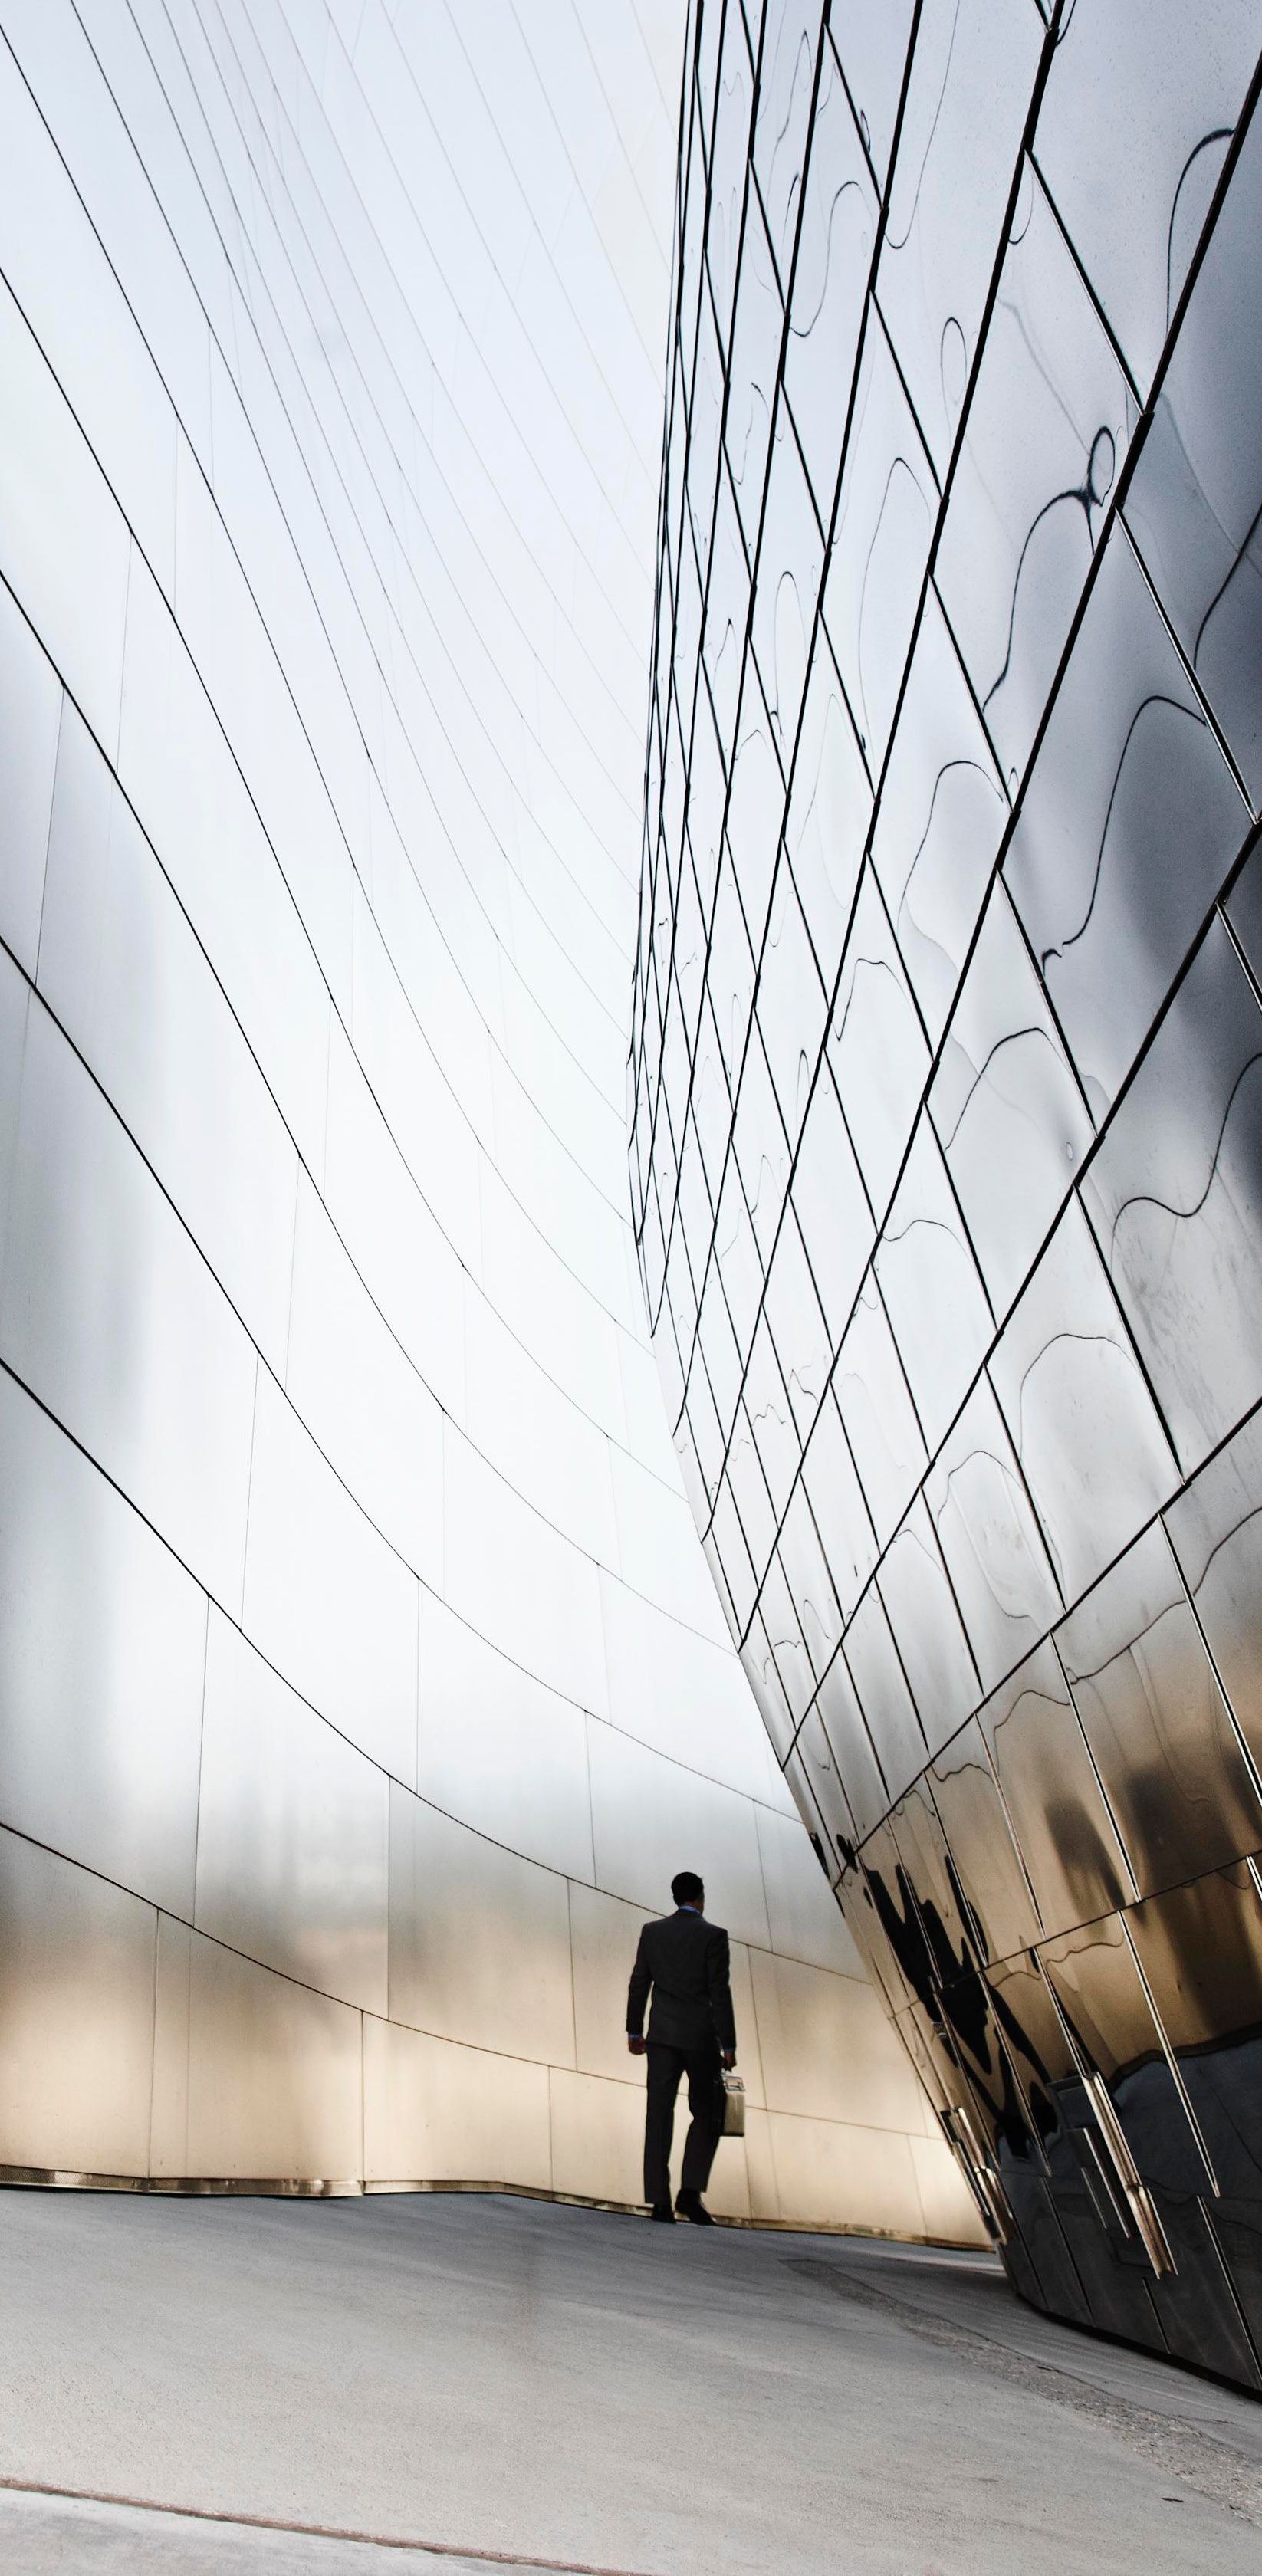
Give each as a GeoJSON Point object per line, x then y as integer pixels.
{"type": "Point", "coordinates": [361, 1679]}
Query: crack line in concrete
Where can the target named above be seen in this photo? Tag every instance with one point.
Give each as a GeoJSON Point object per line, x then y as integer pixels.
{"type": "Point", "coordinates": [510, 2558]}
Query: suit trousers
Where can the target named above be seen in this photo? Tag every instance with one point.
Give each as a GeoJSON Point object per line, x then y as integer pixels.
{"type": "Point", "coordinates": [702, 2066]}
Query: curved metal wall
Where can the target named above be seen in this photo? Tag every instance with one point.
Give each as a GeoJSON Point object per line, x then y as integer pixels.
{"type": "Point", "coordinates": [360, 1681]}
{"type": "Point", "coordinates": [947, 1059]}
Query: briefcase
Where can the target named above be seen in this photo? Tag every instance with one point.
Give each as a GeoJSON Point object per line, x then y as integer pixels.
{"type": "Point", "coordinates": [733, 2098]}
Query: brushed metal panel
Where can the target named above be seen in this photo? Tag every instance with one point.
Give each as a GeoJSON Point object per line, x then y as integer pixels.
{"type": "Point", "coordinates": [326, 1599]}
{"type": "Point", "coordinates": [579, 1115]}
{"type": "Point", "coordinates": [102, 1658]}
{"type": "Point", "coordinates": [568, 1333]}
{"type": "Point", "coordinates": [274, 2074]}
{"type": "Point", "coordinates": [994, 1552]}
{"type": "Point", "coordinates": [527, 1589]}
{"type": "Point", "coordinates": [1216, 1532]}
{"type": "Point", "coordinates": [1007, 1105]}
{"type": "Point", "coordinates": [62, 277]}
{"type": "Point", "coordinates": [934, 1296]}
{"type": "Point", "coordinates": [1012, 562]}
{"type": "Point", "coordinates": [168, 2109]}
{"type": "Point", "coordinates": [927, 1630]}
{"type": "Point", "coordinates": [14, 1011]}
{"type": "Point", "coordinates": [966, 106]}
{"type": "Point", "coordinates": [886, 1702]}
{"type": "Point", "coordinates": [179, 773]}
{"type": "Point", "coordinates": [834, 252]}
{"type": "Point", "coordinates": [579, 1220]}
{"type": "Point", "coordinates": [30, 716]}
{"type": "Point", "coordinates": [806, 1923]}
{"type": "Point", "coordinates": [479, 1938]}
{"type": "Point", "coordinates": [810, 1775]}
{"type": "Point", "coordinates": [1158, 1726]}
{"type": "Point", "coordinates": [682, 1693]}
{"type": "Point", "coordinates": [828, 2051]}
{"type": "Point", "coordinates": [1200, 1948]}
{"type": "Point", "coordinates": [1001, 1908]}
{"type": "Point", "coordinates": [394, 1239]}
{"type": "Point", "coordinates": [820, 2167]}
{"type": "Point", "coordinates": [1093, 1974]}
{"type": "Point", "coordinates": [760, 2170]}
{"type": "Point", "coordinates": [944, 1938]}
{"type": "Point", "coordinates": [498, 1749]}
{"type": "Point", "coordinates": [533, 1433]}
{"type": "Point", "coordinates": [110, 1314]}
{"type": "Point", "coordinates": [597, 2133]}
{"type": "Point", "coordinates": [434, 1137]}
{"type": "Point", "coordinates": [357, 1392]}
{"type": "Point", "coordinates": [650, 1817]}
{"type": "Point", "coordinates": [1193, 504]}
{"type": "Point", "coordinates": [940, 820]}
{"type": "Point", "coordinates": [437, 2112]}
{"type": "Point", "coordinates": [291, 1831]}
{"type": "Point", "coordinates": [648, 1431]}
{"type": "Point", "coordinates": [1082, 1422]}
{"type": "Point", "coordinates": [76, 2016]}
{"type": "Point", "coordinates": [654, 1557]}
{"type": "Point", "coordinates": [1064, 1831]}
{"type": "Point", "coordinates": [121, 969]}
{"type": "Point", "coordinates": [254, 698]}
{"type": "Point", "coordinates": [877, 1414]}
{"type": "Point", "coordinates": [869, 533]}
{"type": "Point", "coordinates": [1127, 828]}
{"type": "Point", "coordinates": [950, 2211]}
{"type": "Point", "coordinates": [63, 540]}
{"type": "Point", "coordinates": [1175, 1193]}
{"type": "Point", "coordinates": [458, 1012]}
{"type": "Point", "coordinates": [603, 1936]}
{"type": "Point", "coordinates": [1121, 189]}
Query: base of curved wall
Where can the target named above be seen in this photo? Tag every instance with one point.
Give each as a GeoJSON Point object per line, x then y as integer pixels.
{"type": "Point", "coordinates": [319, 2187]}
{"type": "Point", "coordinates": [1186, 2286]}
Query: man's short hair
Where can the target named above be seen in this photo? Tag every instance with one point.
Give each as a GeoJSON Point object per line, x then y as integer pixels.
{"type": "Point", "coordinates": [687, 1889]}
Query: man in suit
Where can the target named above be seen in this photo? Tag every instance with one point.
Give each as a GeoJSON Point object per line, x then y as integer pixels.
{"type": "Point", "coordinates": [684, 1960]}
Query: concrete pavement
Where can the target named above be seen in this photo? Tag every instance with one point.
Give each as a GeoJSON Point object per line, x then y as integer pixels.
{"type": "Point", "coordinates": [525, 2382]}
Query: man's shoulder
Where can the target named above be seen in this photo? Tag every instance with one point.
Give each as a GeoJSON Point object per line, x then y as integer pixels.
{"type": "Point", "coordinates": [684, 1916]}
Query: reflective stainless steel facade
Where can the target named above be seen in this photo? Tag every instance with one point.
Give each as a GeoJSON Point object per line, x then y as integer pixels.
{"type": "Point", "coordinates": [361, 1682]}
{"type": "Point", "coordinates": [947, 1064]}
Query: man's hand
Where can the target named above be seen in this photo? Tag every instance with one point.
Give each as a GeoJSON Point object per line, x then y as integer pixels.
{"type": "Point", "coordinates": [636, 2045]}
{"type": "Point", "coordinates": [728, 2058]}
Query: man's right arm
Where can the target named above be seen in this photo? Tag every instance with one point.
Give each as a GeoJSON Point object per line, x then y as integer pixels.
{"type": "Point", "coordinates": [719, 1987]}
{"type": "Point", "coordinates": [637, 1996]}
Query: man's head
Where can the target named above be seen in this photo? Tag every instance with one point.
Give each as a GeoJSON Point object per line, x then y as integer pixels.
{"type": "Point", "coordinates": [687, 1889]}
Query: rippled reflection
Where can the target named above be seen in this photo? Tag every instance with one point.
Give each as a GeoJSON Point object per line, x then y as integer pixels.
{"type": "Point", "coordinates": [1006, 1376]}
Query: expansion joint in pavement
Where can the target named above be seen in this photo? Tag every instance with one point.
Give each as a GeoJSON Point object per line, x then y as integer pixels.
{"type": "Point", "coordinates": [511, 2559]}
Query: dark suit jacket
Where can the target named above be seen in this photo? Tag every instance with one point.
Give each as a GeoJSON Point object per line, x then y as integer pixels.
{"type": "Point", "coordinates": [685, 1961]}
